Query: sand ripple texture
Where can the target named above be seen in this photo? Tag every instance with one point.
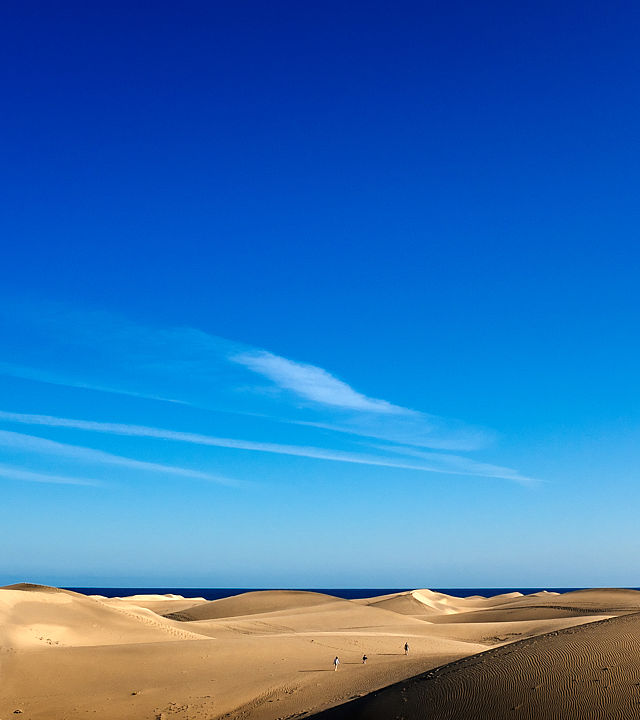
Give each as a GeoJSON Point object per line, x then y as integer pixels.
{"type": "Point", "coordinates": [581, 673]}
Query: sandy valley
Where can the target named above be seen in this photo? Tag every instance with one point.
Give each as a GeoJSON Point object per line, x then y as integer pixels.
{"type": "Point", "coordinates": [269, 655]}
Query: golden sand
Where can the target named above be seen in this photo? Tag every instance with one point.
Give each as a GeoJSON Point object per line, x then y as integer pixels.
{"type": "Point", "coordinates": [270, 654]}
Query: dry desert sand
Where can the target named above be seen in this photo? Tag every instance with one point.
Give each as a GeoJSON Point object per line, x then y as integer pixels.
{"type": "Point", "coordinates": [269, 655]}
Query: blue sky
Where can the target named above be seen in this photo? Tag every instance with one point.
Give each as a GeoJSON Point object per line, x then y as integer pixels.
{"type": "Point", "coordinates": [313, 295]}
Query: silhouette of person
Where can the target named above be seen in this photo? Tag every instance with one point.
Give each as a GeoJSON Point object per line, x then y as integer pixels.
{"type": "Point", "coordinates": [364, 659]}
{"type": "Point", "coordinates": [406, 648]}
{"type": "Point", "coordinates": [336, 662]}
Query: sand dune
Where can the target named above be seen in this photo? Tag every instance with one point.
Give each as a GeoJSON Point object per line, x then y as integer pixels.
{"type": "Point", "coordinates": [543, 607]}
{"type": "Point", "coordinates": [428, 602]}
{"type": "Point", "coordinates": [590, 671]}
{"type": "Point", "coordinates": [32, 618]}
{"type": "Point", "coordinates": [409, 604]}
{"type": "Point", "coordinates": [263, 655]}
{"type": "Point", "coordinates": [252, 603]}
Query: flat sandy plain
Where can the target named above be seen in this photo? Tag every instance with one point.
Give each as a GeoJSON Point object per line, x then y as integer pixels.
{"type": "Point", "coordinates": [269, 655]}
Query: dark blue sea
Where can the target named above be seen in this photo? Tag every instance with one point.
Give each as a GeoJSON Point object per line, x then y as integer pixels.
{"type": "Point", "coordinates": [347, 593]}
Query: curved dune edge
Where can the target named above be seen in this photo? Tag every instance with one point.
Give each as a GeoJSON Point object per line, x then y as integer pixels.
{"type": "Point", "coordinates": [585, 671]}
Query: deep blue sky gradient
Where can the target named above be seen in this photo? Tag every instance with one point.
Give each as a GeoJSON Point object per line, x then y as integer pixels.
{"type": "Point", "coordinates": [437, 203]}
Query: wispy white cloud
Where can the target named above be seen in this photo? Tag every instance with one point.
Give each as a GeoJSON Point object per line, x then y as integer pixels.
{"type": "Point", "coordinates": [14, 473]}
{"type": "Point", "coordinates": [44, 446]}
{"type": "Point", "coordinates": [313, 383]}
{"type": "Point", "coordinates": [433, 462]}
{"type": "Point", "coordinates": [101, 351]}
{"type": "Point", "coordinates": [357, 414]}
{"type": "Point", "coordinates": [191, 368]}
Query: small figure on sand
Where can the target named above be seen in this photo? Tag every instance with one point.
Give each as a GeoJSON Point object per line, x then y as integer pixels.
{"type": "Point", "coordinates": [406, 648]}
{"type": "Point", "coordinates": [336, 662]}
{"type": "Point", "coordinates": [364, 659]}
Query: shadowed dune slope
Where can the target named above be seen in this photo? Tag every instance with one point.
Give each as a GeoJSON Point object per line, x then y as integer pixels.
{"type": "Point", "coordinates": [598, 598]}
{"type": "Point", "coordinates": [517, 614]}
{"type": "Point", "coordinates": [252, 603]}
{"type": "Point", "coordinates": [587, 672]}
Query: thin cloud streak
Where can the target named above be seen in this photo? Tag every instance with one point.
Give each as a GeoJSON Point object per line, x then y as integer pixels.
{"type": "Point", "coordinates": [404, 433]}
{"type": "Point", "coordinates": [313, 383]}
{"type": "Point", "coordinates": [13, 473]}
{"type": "Point", "coordinates": [33, 443]}
{"type": "Point", "coordinates": [37, 375]}
{"type": "Point", "coordinates": [371, 426]}
{"type": "Point", "coordinates": [462, 466]}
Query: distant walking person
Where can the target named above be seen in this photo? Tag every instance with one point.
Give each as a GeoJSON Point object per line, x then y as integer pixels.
{"type": "Point", "coordinates": [364, 659]}
{"type": "Point", "coordinates": [336, 662]}
{"type": "Point", "coordinates": [406, 648]}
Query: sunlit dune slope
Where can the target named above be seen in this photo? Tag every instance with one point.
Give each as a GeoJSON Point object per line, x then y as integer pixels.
{"type": "Point", "coordinates": [252, 603]}
{"type": "Point", "coordinates": [32, 616]}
